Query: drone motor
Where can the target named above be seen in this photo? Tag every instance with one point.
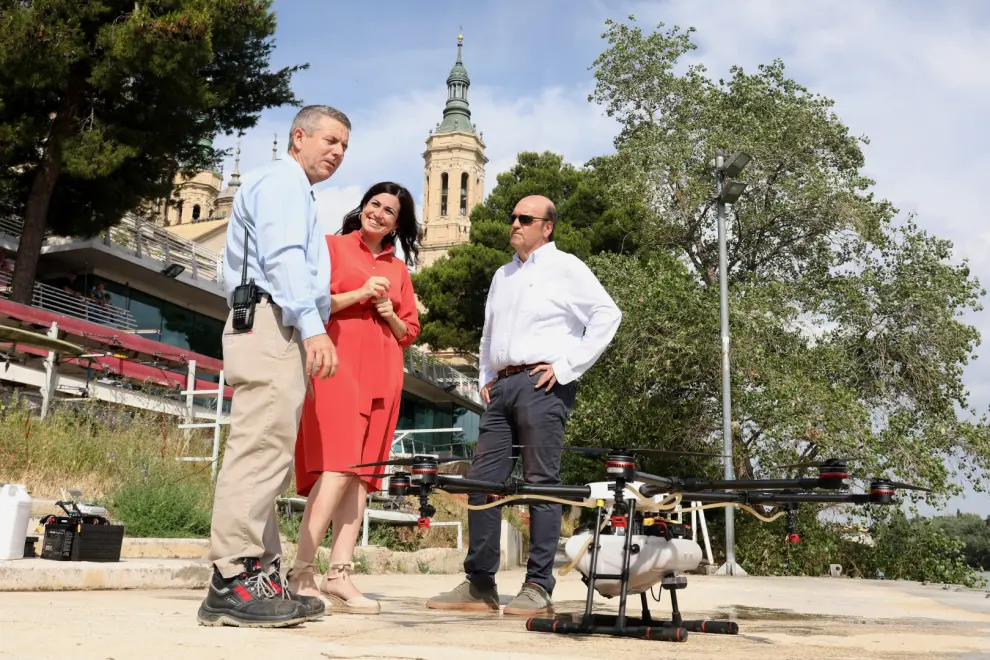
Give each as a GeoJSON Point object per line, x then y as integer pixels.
{"type": "Point", "coordinates": [398, 484]}
{"type": "Point", "coordinates": [620, 465]}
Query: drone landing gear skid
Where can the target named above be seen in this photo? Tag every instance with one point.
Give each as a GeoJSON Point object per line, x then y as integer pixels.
{"type": "Point", "coordinates": [645, 627]}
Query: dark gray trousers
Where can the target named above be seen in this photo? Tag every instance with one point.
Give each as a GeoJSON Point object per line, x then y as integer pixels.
{"type": "Point", "coordinates": [518, 414]}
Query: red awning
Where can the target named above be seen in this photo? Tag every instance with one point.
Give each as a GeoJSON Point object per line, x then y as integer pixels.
{"type": "Point", "coordinates": [128, 350]}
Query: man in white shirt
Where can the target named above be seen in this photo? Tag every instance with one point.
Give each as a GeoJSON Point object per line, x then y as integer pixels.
{"type": "Point", "coordinates": [547, 321]}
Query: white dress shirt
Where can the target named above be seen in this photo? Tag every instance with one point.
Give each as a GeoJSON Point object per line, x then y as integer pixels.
{"type": "Point", "coordinates": [551, 309]}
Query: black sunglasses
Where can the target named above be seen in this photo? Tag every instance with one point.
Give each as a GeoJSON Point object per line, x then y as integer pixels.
{"type": "Point", "coordinates": [524, 219]}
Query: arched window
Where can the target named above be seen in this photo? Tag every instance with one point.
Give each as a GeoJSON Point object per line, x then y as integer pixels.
{"type": "Point", "coordinates": [443, 194]}
{"type": "Point", "coordinates": [464, 182]}
{"type": "Point", "coordinates": [195, 215]}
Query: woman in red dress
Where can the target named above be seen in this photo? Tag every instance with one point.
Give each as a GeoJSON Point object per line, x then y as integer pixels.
{"type": "Point", "coordinates": [351, 417]}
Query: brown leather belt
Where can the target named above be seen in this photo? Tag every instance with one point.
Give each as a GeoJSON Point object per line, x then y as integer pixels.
{"type": "Point", "coordinates": [514, 369]}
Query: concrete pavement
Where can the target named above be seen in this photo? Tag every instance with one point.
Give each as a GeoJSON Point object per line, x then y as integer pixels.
{"type": "Point", "coordinates": [823, 618]}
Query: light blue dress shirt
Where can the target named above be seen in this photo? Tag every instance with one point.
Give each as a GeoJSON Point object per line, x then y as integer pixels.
{"type": "Point", "coordinates": [287, 252]}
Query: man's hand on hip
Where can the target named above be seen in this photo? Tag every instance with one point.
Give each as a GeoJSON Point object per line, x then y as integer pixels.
{"type": "Point", "coordinates": [548, 378]}
{"type": "Point", "coordinates": [486, 391]}
{"type": "Point", "coordinates": [321, 356]}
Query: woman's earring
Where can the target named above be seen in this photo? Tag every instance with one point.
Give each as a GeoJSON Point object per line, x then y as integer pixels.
{"type": "Point", "coordinates": [393, 232]}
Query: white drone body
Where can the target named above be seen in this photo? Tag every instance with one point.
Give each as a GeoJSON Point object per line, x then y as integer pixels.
{"type": "Point", "coordinates": [651, 559]}
{"type": "Point", "coordinates": [605, 491]}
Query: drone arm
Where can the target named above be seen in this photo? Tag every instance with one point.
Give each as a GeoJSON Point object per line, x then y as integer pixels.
{"type": "Point", "coordinates": [755, 484]}
{"type": "Point", "coordinates": [654, 485]}
{"type": "Point", "coordinates": [772, 499]}
{"type": "Point", "coordinates": [460, 486]}
{"type": "Point", "coordinates": [456, 485]}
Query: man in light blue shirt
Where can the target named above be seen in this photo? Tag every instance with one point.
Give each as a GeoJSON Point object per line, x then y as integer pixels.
{"type": "Point", "coordinates": [269, 366]}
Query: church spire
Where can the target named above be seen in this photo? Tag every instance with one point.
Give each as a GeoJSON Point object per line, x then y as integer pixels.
{"type": "Point", "coordinates": [457, 113]}
{"type": "Point", "coordinates": [235, 176]}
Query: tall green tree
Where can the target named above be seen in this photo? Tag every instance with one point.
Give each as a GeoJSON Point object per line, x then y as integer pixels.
{"type": "Point", "coordinates": [846, 331]}
{"type": "Point", "coordinates": [454, 289]}
{"type": "Point", "coordinates": [102, 102]}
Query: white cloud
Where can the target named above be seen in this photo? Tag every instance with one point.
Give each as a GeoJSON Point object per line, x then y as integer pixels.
{"type": "Point", "coordinates": [334, 203]}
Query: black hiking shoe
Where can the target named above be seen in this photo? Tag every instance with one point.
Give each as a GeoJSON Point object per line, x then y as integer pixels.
{"type": "Point", "coordinates": [313, 607]}
{"type": "Point", "coordinates": [248, 600]}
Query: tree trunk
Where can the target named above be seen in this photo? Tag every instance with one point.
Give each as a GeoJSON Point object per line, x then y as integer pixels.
{"type": "Point", "coordinates": [36, 213]}
{"type": "Point", "coordinates": [33, 232]}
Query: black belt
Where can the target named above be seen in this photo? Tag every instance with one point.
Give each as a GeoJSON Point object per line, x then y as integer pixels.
{"type": "Point", "coordinates": [515, 369]}
{"type": "Point", "coordinates": [261, 296]}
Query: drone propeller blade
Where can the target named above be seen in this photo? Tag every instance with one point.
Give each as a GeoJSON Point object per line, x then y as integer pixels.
{"type": "Point", "coordinates": [820, 464]}
{"type": "Point", "coordinates": [631, 450]}
{"type": "Point", "coordinates": [380, 475]}
{"type": "Point", "coordinates": [411, 461]}
{"type": "Point", "coordinates": [899, 484]}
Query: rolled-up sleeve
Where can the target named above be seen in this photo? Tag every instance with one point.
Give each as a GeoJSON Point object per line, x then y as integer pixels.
{"type": "Point", "coordinates": [280, 206]}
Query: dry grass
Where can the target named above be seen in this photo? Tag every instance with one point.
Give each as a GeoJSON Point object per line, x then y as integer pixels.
{"type": "Point", "coordinates": [96, 447]}
{"type": "Point", "coordinates": [126, 460]}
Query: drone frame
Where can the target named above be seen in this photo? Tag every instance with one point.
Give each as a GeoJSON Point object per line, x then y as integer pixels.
{"type": "Point", "coordinates": [620, 467]}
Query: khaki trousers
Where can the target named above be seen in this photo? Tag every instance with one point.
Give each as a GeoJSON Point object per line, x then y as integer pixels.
{"type": "Point", "coordinates": [266, 369]}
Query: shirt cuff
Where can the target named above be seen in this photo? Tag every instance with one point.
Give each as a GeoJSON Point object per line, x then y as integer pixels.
{"type": "Point", "coordinates": [563, 372]}
{"type": "Point", "coordinates": [310, 324]}
{"type": "Point", "coordinates": [486, 376]}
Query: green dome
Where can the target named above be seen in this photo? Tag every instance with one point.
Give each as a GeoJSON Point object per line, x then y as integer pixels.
{"type": "Point", "coordinates": [457, 113]}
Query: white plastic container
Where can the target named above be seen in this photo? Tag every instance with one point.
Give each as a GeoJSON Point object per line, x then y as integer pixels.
{"type": "Point", "coordinates": [15, 514]}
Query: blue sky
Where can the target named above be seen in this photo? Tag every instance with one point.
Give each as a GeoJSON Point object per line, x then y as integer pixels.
{"type": "Point", "coordinates": [909, 74]}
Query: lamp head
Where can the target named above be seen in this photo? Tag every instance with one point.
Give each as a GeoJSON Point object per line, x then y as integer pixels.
{"type": "Point", "coordinates": [736, 164]}
{"type": "Point", "coordinates": [731, 191]}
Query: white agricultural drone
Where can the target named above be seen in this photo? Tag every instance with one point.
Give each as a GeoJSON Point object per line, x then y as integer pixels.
{"type": "Point", "coordinates": [635, 543]}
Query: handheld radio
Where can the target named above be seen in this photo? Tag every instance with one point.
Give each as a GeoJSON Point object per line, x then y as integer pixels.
{"type": "Point", "coordinates": [245, 296]}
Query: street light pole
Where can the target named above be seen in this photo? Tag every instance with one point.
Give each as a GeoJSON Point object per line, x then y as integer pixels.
{"type": "Point", "coordinates": [736, 165]}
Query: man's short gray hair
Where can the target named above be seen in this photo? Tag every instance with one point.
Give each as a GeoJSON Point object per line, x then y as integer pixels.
{"type": "Point", "coordinates": [308, 119]}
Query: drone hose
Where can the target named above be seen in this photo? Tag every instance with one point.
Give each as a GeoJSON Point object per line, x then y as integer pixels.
{"type": "Point", "coordinates": [745, 507]}
{"type": "Point", "coordinates": [513, 498]}
{"type": "Point", "coordinates": [664, 507]}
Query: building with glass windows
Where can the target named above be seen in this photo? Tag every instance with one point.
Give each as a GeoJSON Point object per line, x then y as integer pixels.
{"type": "Point", "coordinates": [153, 304]}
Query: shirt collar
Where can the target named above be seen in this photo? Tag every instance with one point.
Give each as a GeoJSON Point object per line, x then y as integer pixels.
{"type": "Point", "coordinates": [539, 253]}
{"type": "Point", "coordinates": [294, 165]}
{"type": "Point", "coordinates": [358, 238]}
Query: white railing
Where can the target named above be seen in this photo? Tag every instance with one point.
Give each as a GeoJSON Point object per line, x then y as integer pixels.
{"type": "Point", "coordinates": [77, 306]}
{"type": "Point", "coordinates": [404, 445]}
{"type": "Point", "coordinates": [145, 239]}
{"type": "Point", "coordinates": [219, 419]}
{"type": "Point", "coordinates": [444, 376]}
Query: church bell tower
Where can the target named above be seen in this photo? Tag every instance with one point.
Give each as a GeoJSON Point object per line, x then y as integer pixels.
{"type": "Point", "coordinates": [454, 170]}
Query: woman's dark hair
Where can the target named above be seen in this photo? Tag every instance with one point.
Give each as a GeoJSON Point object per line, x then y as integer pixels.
{"type": "Point", "coordinates": [406, 226]}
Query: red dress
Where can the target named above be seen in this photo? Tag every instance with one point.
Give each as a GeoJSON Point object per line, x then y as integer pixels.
{"type": "Point", "coordinates": [353, 415]}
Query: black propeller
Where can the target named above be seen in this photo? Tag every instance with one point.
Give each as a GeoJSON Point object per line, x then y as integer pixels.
{"type": "Point", "coordinates": [415, 460]}
{"type": "Point", "coordinates": [827, 463]}
{"type": "Point", "coordinates": [630, 450]}
{"type": "Point", "coordinates": [880, 484]}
